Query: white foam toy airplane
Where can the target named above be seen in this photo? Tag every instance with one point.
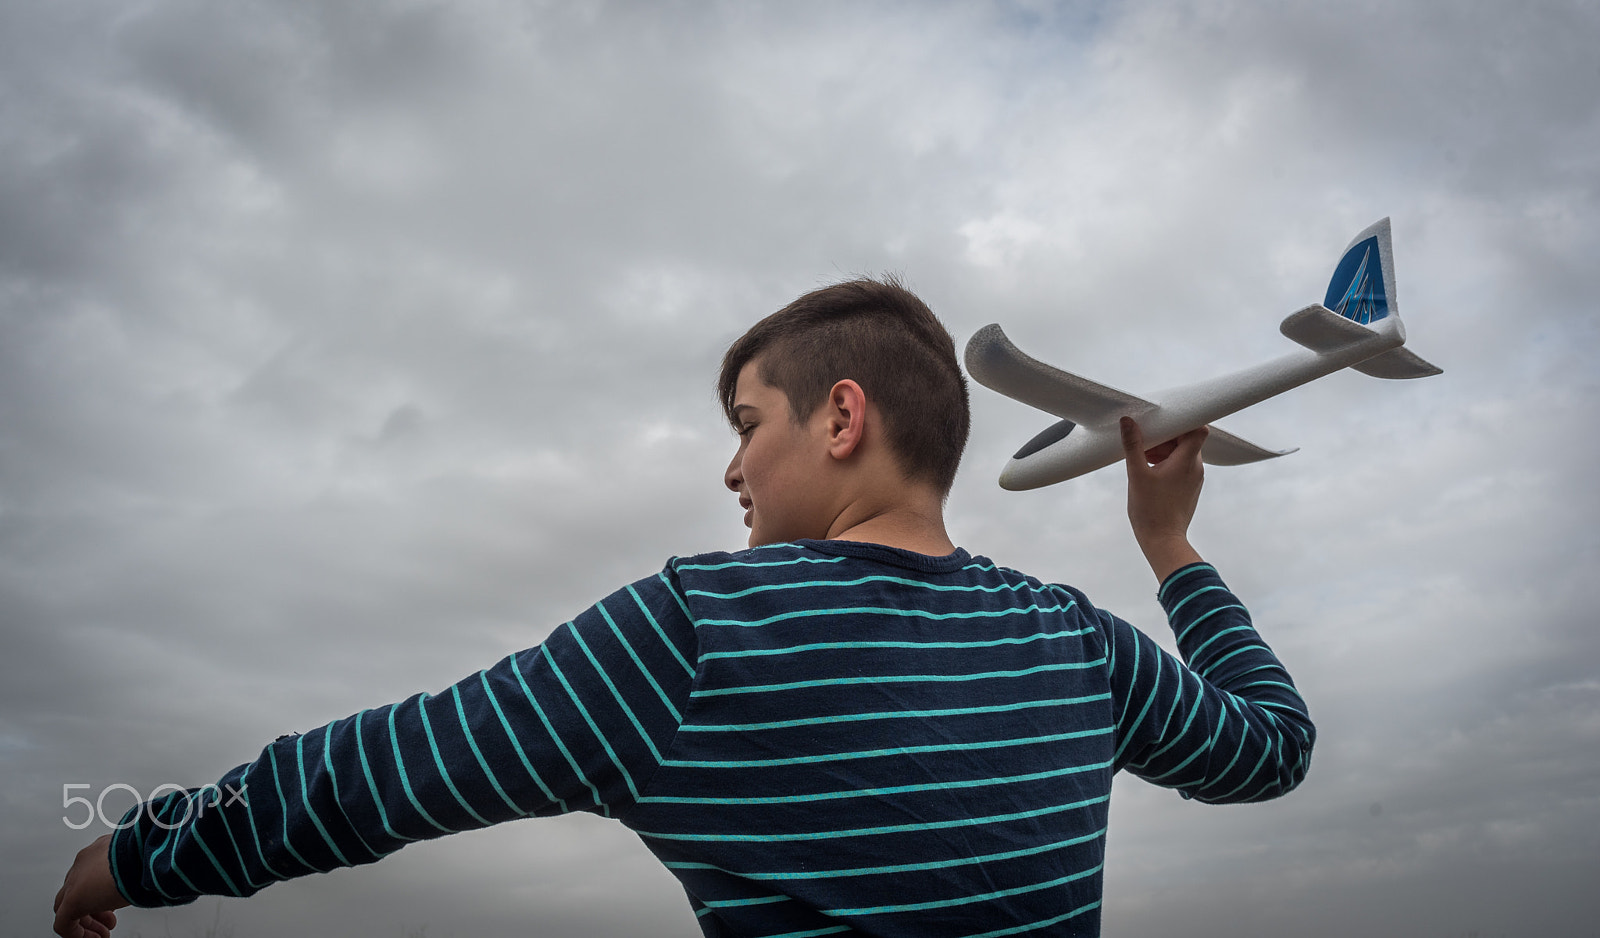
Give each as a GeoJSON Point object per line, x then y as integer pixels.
{"type": "Point", "coordinates": [1357, 325]}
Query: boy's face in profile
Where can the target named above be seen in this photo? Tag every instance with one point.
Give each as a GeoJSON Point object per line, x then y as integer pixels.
{"type": "Point", "coordinates": [780, 466]}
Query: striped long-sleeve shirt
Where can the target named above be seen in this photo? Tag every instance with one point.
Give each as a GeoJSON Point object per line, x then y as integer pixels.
{"type": "Point", "coordinates": [817, 738]}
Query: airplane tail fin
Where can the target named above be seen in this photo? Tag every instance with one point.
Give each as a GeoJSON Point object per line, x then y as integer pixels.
{"type": "Point", "coordinates": [1362, 291]}
{"type": "Point", "coordinates": [1362, 288]}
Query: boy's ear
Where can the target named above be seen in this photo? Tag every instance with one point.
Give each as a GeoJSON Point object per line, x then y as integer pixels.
{"type": "Point", "coordinates": [846, 418]}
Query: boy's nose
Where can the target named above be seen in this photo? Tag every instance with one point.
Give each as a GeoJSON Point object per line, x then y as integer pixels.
{"type": "Point", "coordinates": [733, 475]}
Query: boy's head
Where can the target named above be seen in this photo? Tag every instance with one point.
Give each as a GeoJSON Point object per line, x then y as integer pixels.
{"type": "Point", "coordinates": [880, 335]}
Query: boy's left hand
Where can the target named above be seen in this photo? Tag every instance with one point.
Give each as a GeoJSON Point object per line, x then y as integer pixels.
{"type": "Point", "coordinates": [85, 904]}
{"type": "Point", "coordinates": [1163, 490]}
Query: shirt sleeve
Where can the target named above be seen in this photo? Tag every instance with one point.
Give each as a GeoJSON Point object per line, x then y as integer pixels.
{"type": "Point", "coordinates": [1223, 725]}
{"type": "Point", "coordinates": [577, 723]}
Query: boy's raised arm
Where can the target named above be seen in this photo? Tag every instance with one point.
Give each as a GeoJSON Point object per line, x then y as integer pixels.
{"type": "Point", "coordinates": [1225, 723]}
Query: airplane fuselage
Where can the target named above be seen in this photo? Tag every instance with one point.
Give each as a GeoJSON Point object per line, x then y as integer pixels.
{"type": "Point", "coordinates": [1179, 410]}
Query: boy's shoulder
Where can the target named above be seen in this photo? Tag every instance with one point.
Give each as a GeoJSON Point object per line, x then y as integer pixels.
{"type": "Point", "coordinates": [818, 556]}
{"type": "Point", "coordinates": [831, 561]}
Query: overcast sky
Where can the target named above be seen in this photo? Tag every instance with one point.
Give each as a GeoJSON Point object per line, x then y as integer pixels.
{"type": "Point", "coordinates": [345, 348]}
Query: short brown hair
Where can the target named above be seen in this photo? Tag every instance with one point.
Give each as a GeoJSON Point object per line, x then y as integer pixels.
{"type": "Point", "coordinates": [882, 336]}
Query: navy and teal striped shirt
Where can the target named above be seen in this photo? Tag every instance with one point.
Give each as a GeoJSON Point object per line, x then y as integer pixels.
{"type": "Point", "coordinates": [822, 738]}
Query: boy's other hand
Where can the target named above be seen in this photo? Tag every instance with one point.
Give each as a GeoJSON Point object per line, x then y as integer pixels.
{"type": "Point", "coordinates": [1163, 491]}
{"type": "Point", "coordinates": [85, 904]}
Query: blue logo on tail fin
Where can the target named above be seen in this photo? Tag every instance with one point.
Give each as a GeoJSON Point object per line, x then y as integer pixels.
{"type": "Point", "coordinates": [1357, 291]}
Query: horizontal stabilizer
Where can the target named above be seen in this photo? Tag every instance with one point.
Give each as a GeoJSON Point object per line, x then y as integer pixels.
{"type": "Point", "coordinates": [1222, 448]}
{"type": "Point", "coordinates": [1397, 363]}
{"type": "Point", "coordinates": [1320, 329]}
{"type": "Point", "coordinates": [1000, 366]}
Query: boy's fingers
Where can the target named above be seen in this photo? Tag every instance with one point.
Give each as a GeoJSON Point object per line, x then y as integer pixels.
{"type": "Point", "coordinates": [66, 923]}
{"type": "Point", "coordinates": [1156, 454]}
{"type": "Point", "coordinates": [1136, 455]}
{"type": "Point", "coordinates": [1191, 442]}
{"type": "Point", "coordinates": [1184, 446]}
{"type": "Point", "coordinates": [85, 904]}
{"type": "Point", "coordinates": [100, 923]}
{"type": "Point", "coordinates": [1132, 441]}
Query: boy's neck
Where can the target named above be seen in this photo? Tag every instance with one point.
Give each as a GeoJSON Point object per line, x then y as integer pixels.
{"type": "Point", "coordinates": [918, 528]}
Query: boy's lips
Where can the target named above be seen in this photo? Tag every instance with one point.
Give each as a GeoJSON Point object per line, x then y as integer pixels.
{"type": "Point", "coordinates": [749, 509]}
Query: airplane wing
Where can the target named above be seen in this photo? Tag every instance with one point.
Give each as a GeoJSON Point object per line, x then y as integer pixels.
{"type": "Point", "coordinates": [1000, 366]}
{"type": "Point", "coordinates": [1222, 448]}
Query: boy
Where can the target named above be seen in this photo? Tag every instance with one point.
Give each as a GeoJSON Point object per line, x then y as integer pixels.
{"type": "Point", "coordinates": [852, 727]}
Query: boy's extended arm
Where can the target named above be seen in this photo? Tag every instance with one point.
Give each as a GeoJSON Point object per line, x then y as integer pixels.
{"type": "Point", "coordinates": [575, 724]}
{"type": "Point", "coordinates": [1226, 723]}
